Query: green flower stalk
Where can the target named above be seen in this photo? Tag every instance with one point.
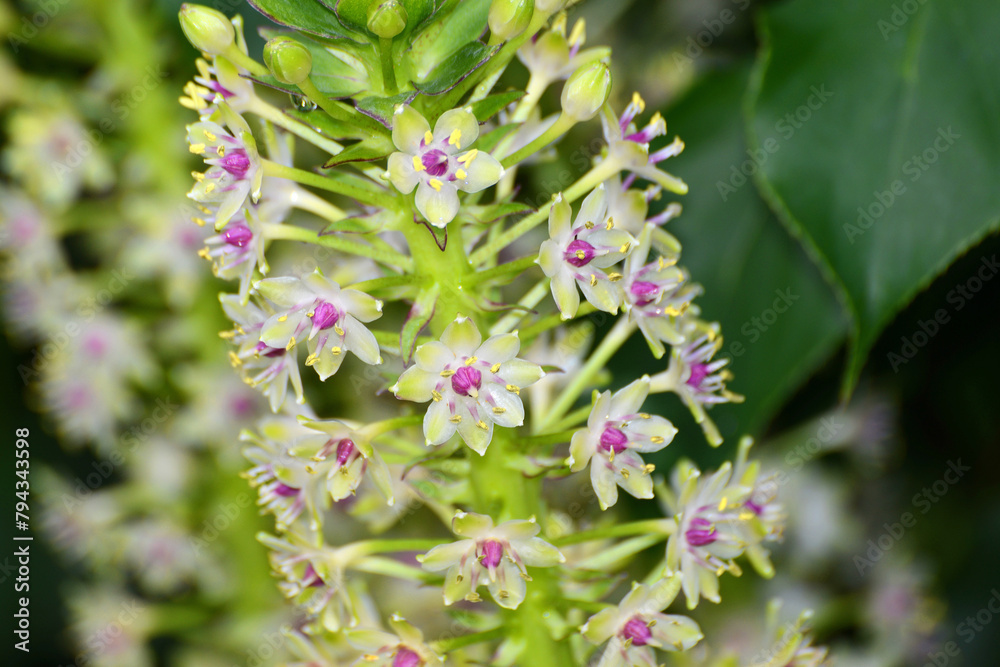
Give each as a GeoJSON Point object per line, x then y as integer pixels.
{"type": "Point", "coordinates": [459, 390]}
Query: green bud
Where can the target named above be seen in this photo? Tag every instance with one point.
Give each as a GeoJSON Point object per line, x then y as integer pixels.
{"type": "Point", "coordinates": [288, 60]}
{"type": "Point", "coordinates": [550, 6]}
{"type": "Point", "coordinates": [386, 18]}
{"type": "Point", "coordinates": [586, 91]}
{"type": "Point", "coordinates": [509, 18]}
{"type": "Point", "coordinates": [207, 29]}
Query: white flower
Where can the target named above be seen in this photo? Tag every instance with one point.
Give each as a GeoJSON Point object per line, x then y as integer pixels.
{"type": "Point", "coordinates": [615, 435]}
{"type": "Point", "coordinates": [635, 627]}
{"type": "Point", "coordinates": [403, 648]}
{"type": "Point", "coordinates": [491, 555]}
{"type": "Point", "coordinates": [430, 161]}
{"type": "Point", "coordinates": [334, 319]}
{"type": "Point", "coordinates": [576, 254]}
{"type": "Point", "coordinates": [629, 147]}
{"type": "Point", "coordinates": [472, 385]}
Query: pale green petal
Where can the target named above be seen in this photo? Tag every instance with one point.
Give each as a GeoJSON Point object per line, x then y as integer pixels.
{"type": "Point", "coordinates": [481, 172]}
{"type": "Point", "coordinates": [518, 529]}
{"type": "Point", "coordinates": [509, 589]}
{"type": "Point", "coordinates": [402, 173]}
{"type": "Point", "coordinates": [520, 373]}
{"type": "Point", "coordinates": [629, 398]}
{"type": "Point", "coordinates": [284, 292]}
{"type": "Point", "coordinates": [457, 119]}
{"type": "Point", "coordinates": [559, 218]}
{"type": "Point", "coordinates": [279, 329]}
{"type": "Point", "coordinates": [566, 296]}
{"type": "Point", "coordinates": [603, 294]}
{"type": "Point", "coordinates": [364, 307]}
{"type": "Point", "coordinates": [580, 450]}
{"type": "Point", "coordinates": [408, 128]}
{"type": "Point", "coordinates": [381, 477]}
{"type": "Point", "coordinates": [437, 425]}
{"type": "Point", "coordinates": [605, 483]}
{"type": "Point", "coordinates": [550, 257]}
{"type": "Point", "coordinates": [457, 585]}
{"type": "Point", "coordinates": [359, 340]}
{"type": "Point", "coordinates": [601, 626]}
{"type": "Point", "coordinates": [433, 356]}
{"type": "Point", "coordinates": [415, 384]}
{"type": "Point", "coordinates": [538, 553]}
{"type": "Point", "coordinates": [439, 205]}
{"type": "Point", "coordinates": [474, 435]}
{"type": "Point", "coordinates": [600, 412]}
{"type": "Point", "coordinates": [470, 524]}
{"type": "Point", "coordinates": [593, 208]}
{"type": "Point", "coordinates": [506, 408]}
{"type": "Point", "coordinates": [370, 640]}
{"type": "Point", "coordinates": [444, 556]}
{"type": "Point", "coordinates": [462, 337]}
{"type": "Point", "coordinates": [664, 591]}
{"type": "Point", "coordinates": [409, 633]}
{"type": "Point", "coordinates": [344, 481]}
{"type": "Point", "coordinates": [654, 434]}
{"type": "Point", "coordinates": [499, 348]}
{"type": "Point", "coordinates": [327, 361]}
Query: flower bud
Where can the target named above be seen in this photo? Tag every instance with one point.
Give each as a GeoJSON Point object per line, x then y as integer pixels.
{"type": "Point", "coordinates": [288, 60]}
{"type": "Point", "coordinates": [509, 18]}
{"type": "Point", "coordinates": [386, 18]}
{"type": "Point", "coordinates": [586, 91]}
{"type": "Point", "coordinates": [207, 29]}
{"type": "Point", "coordinates": [549, 6]}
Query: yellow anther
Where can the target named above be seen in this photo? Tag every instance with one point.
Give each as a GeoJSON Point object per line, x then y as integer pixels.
{"type": "Point", "coordinates": [336, 350]}
{"type": "Point", "coordinates": [221, 150]}
{"type": "Point", "coordinates": [471, 360]}
{"type": "Point", "coordinates": [675, 312]}
{"type": "Point", "coordinates": [593, 280]}
{"type": "Point", "coordinates": [234, 359]}
{"type": "Point", "coordinates": [203, 253]}
{"type": "Point", "coordinates": [589, 224]}
{"type": "Point", "coordinates": [455, 419]}
{"type": "Point", "coordinates": [283, 318]}
{"type": "Point", "coordinates": [610, 224]}
{"type": "Point", "coordinates": [499, 411]}
{"type": "Point", "coordinates": [656, 439]}
{"type": "Point", "coordinates": [456, 138]}
{"type": "Point", "coordinates": [648, 468]}
{"type": "Point", "coordinates": [198, 176]}
{"type": "Point", "coordinates": [209, 188]}
{"type": "Point", "coordinates": [723, 503]}
{"type": "Point", "coordinates": [447, 373]}
{"type": "Point", "coordinates": [625, 247]}
{"type": "Point", "coordinates": [197, 148]}
{"type": "Point", "coordinates": [578, 34]}
{"type": "Point", "coordinates": [461, 174]}
{"type": "Point", "coordinates": [198, 221]}
{"type": "Point", "coordinates": [435, 183]}
{"type": "Point", "coordinates": [514, 389]}
{"type": "Point", "coordinates": [615, 277]}
{"type": "Point", "coordinates": [581, 254]}
{"type": "Point", "coordinates": [625, 473]}
{"type": "Point", "coordinates": [495, 368]}
{"type": "Point", "coordinates": [468, 157]}
{"type": "Point", "coordinates": [337, 329]}
{"type": "Point", "coordinates": [436, 395]}
{"type": "Point", "coordinates": [312, 359]}
{"type": "Point", "coordinates": [418, 164]}
{"type": "Point", "coordinates": [639, 102]}
{"type": "Point", "coordinates": [209, 135]}
{"type": "Point", "coordinates": [226, 335]}
{"type": "Point", "coordinates": [291, 343]}
{"type": "Point", "coordinates": [481, 424]}
{"type": "Point", "coordinates": [644, 415]}
{"type": "Point", "coordinates": [428, 138]}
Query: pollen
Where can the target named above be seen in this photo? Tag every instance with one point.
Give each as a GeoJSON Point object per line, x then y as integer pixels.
{"type": "Point", "coordinates": [656, 439]}
{"type": "Point", "coordinates": [589, 224]}
{"type": "Point", "coordinates": [291, 343]}
{"type": "Point", "coordinates": [312, 359]}
{"type": "Point", "coordinates": [461, 174]}
{"type": "Point", "coordinates": [428, 138]}
{"type": "Point", "coordinates": [336, 350]}
{"type": "Point", "coordinates": [723, 503]}
{"type": "Point", "coordinates": [471, 360]}
{"type": "Point", "coordinates": [209, 188]}
{"type": "Point", "coordinates": [418, 164]}
{"type": "Point", "coordinates": [221, 150]}
{"type": "Point", "coordinates": [625, 247]}
{"type": "Point", "coordinates": [235, 360]}
{"type": "Point", "coordinates": [615, 277]}
{"type": "Point", "coordinates": [581, 254]}
{"type": "Point", "coordinates": [283, 318]}
{"type": "Point", "coordinates": [197, 148]}
{"type": "Point", "coordinates": [435, 183]}
{"type": "Point", "coordinates": [455, 419]}
{"type": "Point", "coordinates": [456, 138]}
{"type": "Point", "coordinates": [593, 279]}
{"type": "Point", "coordinates": [579, 33]}
{"type": "Point", "coordinates": [447, 373]}
{"type": "Point", "coordinates": [468, 157]}
{"type": "Point", "coordinates": [625, 473]}
{"type": "Point", "coordinates": [481, 424]}
{"type": "Point", "coordinates": [514, 389]}
{"type": "Point", "coordinates": [639, 102]}
{"type": "Point", "coordinates": [436, 395]}
{"type": "Point", "coordinates": [495, 368]}
{"type": "Point", "coordinates": [198, 176]}
{"type": "Point", "coordinates": [209, 135]}
{"type": "Point", "coordinates": [499, 411]}
{"type": "Point", "coordinates": [338, 330]}
{"type": "Point", "coordinates": [198, 221]}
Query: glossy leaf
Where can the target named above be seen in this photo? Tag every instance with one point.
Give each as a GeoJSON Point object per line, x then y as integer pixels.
{"type": "Point", "coordinates": [488, 107]}
{"type": "Point", "coordinates": [878, 125]}
{"type": "Point", "coordinates": [419, 316]}
{"type": "Point", "coordinates": [306, 15]}
{"type": "Point", "coordinates": [460, 65]}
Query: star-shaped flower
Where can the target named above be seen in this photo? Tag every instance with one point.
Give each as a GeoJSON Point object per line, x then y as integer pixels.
{"type": "Point", "coordinates": [576, 253]}
{"type": "Point", "coordinates": [404, 647]}
{"type": "Point", "coordinates": [431, 162]}
{"type": "Point", "coordinates": [472, 385]}
{"type": "Point", "coordinates": [491, 555]}
{"type": "Point", "coordinates": [615, 435]}
{"type": "Point", "coordinates": [636, 626]}
{"type": "Point", "coordinates": [333, 318]}
{"type": "Point", "coordinates": [629, 146]}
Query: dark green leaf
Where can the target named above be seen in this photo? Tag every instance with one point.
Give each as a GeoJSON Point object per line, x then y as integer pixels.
{"type": "Point", "coordinates": [355, 13]}
{"type": "Point", "coordinates": [878, 127]}
{"type": "Point", "coordinates": [446, 34]}
{"type": "Point", "coordinates": [490, 106]}
{"type": "Point", "coordinates": [489, 141]}
{"type": "Point", "coordinates": [375, 148]}
{"type": "Point", "coordinates": [329, 126]}
{"type": "Point", "coordinates": [381, 108]}
{"type": "Point", "coordinates": [460, 65]}
{"type": "Point", "coordinates": [306, 15]}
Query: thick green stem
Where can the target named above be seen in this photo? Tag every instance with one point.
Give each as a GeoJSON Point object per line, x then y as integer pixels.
{"type": "Point", "coordinates": [614, 340]}
{"type": "Point", "coordinates": [299, 129]}
{"type": "Point", "coordinates": [338, 185]}
{"type": "Point", "coordinates": [556, 130]}
{"type": "Point", "coordinates": [388, 70]}
{"type": "Point", "coordinates": [665, 527]}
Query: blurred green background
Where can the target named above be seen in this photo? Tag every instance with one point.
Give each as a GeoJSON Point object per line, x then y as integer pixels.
{"type": "Point", "coordinates": [795, 115]}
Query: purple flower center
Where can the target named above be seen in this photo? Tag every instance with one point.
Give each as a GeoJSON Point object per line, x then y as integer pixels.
{"type": "Point", "coordinates": [405, 658]}
{"type": "Point", "coordinates": [698, 373]}
{"type": "Point", "coordinates": [644, 291]}
{"type": "Point", "coordinates": [311, 577]}
{"type": "Point", "coordinates": [579, 253]}
{"type": "Point", "coordinates": [237, 235]}
{"type": "Point", "coordinates": [637, 630]}
{"type": "Point", "coordinates": [267, 350]}
{"type": "Point", "coordinates": [345, 449]}
{"type": "Point", "coordinates": [325, 315]}
{"type": "Point", "coordinates": [492, 553]}
{"type": "Point", "coordinates": [435, 162]}
{"type": "Point", "coordinates": [466, 380]}
{"type": "Point", "coordinates": [613, 439]}
{"type": "Point", "coordinates": [236, 163]}
{"type": "Point", "coordinates": [286, 491]}
{"type": "Point", "coordinates": [700, 533]}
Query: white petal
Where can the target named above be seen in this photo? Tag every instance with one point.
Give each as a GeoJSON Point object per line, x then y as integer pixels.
{"type": "Point", "coordinates": [439, 205]}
